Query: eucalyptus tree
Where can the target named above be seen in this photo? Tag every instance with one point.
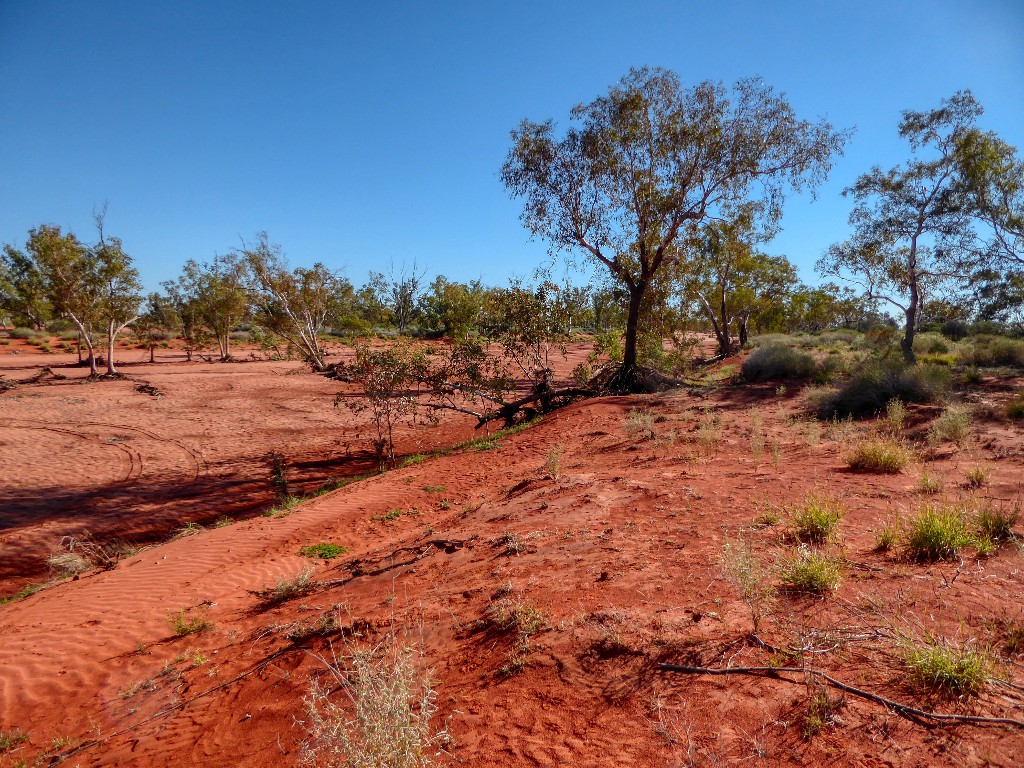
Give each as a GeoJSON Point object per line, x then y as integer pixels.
{"type": "Point", "coordinates": [640, 166]}
{"type": "Point", "coordinates": [214, 294]}
{"type": "Point", "coordinates": [993, 176]}
{"type": "Point", "coordinates": [22, 289]}
{"type": "Point", "coordinates": [294, 304]}
{"type": "Point", "coordinates": [120, 289]}
{"type": "Point", "coordinates": [72, 280]}
{"type": "Point", "coordinates": [912, 225]}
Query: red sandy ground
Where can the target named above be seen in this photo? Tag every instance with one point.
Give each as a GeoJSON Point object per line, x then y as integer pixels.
{"type": "Point", "coordinates": [621, 553]}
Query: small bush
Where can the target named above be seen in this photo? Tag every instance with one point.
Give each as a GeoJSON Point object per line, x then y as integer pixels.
{"type": "Point", "coordinates": [952, 426]}
{"type": "Point", "coordinates": [639, 424]}
{"type": "Point", "coordinates": [67, 564]}
{"type": "Point", "coordinates": [939, 532]}
{"type": "Point", "coordinates": [1015, 408]}
{"type": "Point", "coordinates": [815, 520]}
{"type": "Point", "coordinates": [929, 484]}
{"type": "Point", "coordinates": [954, 330]}
{"type": "Point", "coordinates": [930, 344]}
{"type": "Point", "coordinates": [949, 670]}
{"type": "Point", "coordinates": [23, 333]}
{"type": "Point", "coordinates": [323, 551]}
{"type": "Point", "coordinates": [991, 351]}
{"type": "Point", "coordinates": [875, 384]}
{"type": "Point", "coordinates": [812, 572]}
{"type": "Point", "coordinates": [777, 361]}
{"type": "Point", "coordinates": [895, 416]}
{"type": "Point", "coordinates": [287, 589]}
{"type": "Point", "coordinates": [977, 477]}
{"type": "Point", "coordinates": [382, 717]}
{"type": "Point", "coordinates": [183, 623]}
{"type": "Point", "coordinates": [881, 455]}
{"type": "Point", "coordinates": [889, 536]}
{"type": "Point", "coordinates": [994, 525]}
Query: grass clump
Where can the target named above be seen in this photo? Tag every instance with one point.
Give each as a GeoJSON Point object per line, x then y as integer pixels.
{"type": "Point", "coordinates": [812, 572]}
{"type": "Point", "coordinates": [323, 551]}
{"type": "Point", "coordinates": [986, 351]}
{"type": "Point", "coordinates": [876, 383]}
{"type": "Point", "coordinates": [938, 532]}
{"type": "Point", "coordinates": [553, 462]}
{"type": "Point", "coordinates": [288, 589]}
{"type": "Point", "coordinates": [883, 455]}
{"type": "Point", "coordinates": [977, 477]}
{"type": "Point", "coordinates": [183, 623]}
{"type": "Point", "coordinates": [952, 426]}
{"type": "Point", "coordinates": [815, 520]}
{"type": "Point", "coordinates": [895, 416]}
{"type": "Point", "coordinates": [994, 525]}
{"type": "Point", "coordinates": [373, 709]}
{"type": "Point", "coordinates": [639, 424]}
{"type": "Point", "coordinates": [12, 738]}
{"type": "Point", "coordinates": [775, 361]}
{"type": "Point", "coordinates": [947, 669]}
{"type": "Point", "coordinates": [888, 536]}
{"type": "Point", "coordinates": [929, 484]}
{"type": "Point", "coordinates": [1015, 408]}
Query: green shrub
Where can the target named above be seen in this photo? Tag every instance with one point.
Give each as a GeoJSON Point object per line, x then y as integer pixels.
{"type": "Point", "coordinates": [994, 525]}
{"type": "Point", "coordinates": [881, 454]}
{"type": "Point", "coordinates": [1015, 408]}
{"type": "Point", "coordinates": [876, 383]}
{"type": "Point", "coordinates": [989, 351]}
{"type": "Point", "coordinates": [776, 361]}
{"type": "Point", "coordinates": [323, 551]}
{"type": "Point", "coordinates": [954, 330]}
{"type": "Point", "coordinates": [951, 426]}
{"type": "Point", "coordinates": [811, 571]}
{"type": "Point", "coordinates": [930, 344]}
{"type": "Point", "coordinates": [946, 669]}
{"type": "Point", "coordinates": [977, 477]}
{"type": "Point", "coordinates": [939, 532]}
{"type": "Point", "coordinates": [23, 333]}
{"type": "Point", "coordinates": [183, 623]}
{"type": "Point", "coordinates": [815, 520]}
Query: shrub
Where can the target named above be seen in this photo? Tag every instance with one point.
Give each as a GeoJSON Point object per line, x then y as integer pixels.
{"type": "Point", "coordinates": [882, 455]}
{"type": "Point", "coordinates": [977, 477]}
{"type": "Point", "coordinates": [776, 361]}
{"type": "Point", "coordinates": [989, 351]}
{"type": "Point", "coordinates": [876, 383]}
{"type": "Point", "coordinates": [951, 426]}
{"type": "Point", "coordinates": [745, 572]}
{"type": "Point", "coordinates": [888, 536]}
{"type": "Point", "coordinates": [23, 333]}
{"type": "Point", "coordinates": [929, 484]}
{"type": "Point", "coordinates": [68, 563]}
{"type": "Point", "coordinates": [994, 525]}
{"type": "Point", "coordinates": [287, 589]}
{"type": "Point", "coordinates": [815, 520]}
{"type": "Point", "coordinates": [323, 551]}
{"type": "Point", "coordinates": [895, 416]}
{"type": "Point", "coordinates": [639, 424]}
{"type": "Point", "coordinates": [954, 330]}
{"type": "Point", "coordinates": [939, 532]}
{"type": "Point", "coordinates": [812, 572]}
{"type": "Point", "coordinates": [182, 623]}
{"type": "Point", "coordinates": [382, 720]}
{"type": "Point", "coordinates": [930, 343]}
{"type": "Point", "coordinates": [1015, 408]}
{"type": "Point", "coordinates": [947, 669]}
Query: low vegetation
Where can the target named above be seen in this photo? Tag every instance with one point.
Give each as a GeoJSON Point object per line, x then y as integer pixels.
{"type": "Point", "coordinates": [882, 455]}
{"type": "Point", "coordinates": [775, 361]}
{"type": "Point", "coordinates": [947, 669]}
{"type": "Point", "coordinates": [938, 532]}
{"type": "Point", "coordinates": [815, 520]}
{"type": "Point", "coordinates": [323, 551]}
{"type": "Point", "coordinates": [186, 621]}
{"type": "Point", "coordinates": [812, 572]}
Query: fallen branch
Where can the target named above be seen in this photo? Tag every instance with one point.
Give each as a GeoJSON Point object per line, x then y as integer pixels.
{"type": "Point", "coordinates": [920, 717]}
{"type": "Point", "coordinates": [509, 410]}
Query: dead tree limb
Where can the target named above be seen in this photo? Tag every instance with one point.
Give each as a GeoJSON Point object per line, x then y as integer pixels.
{"type": "Point", "coordinates": [920, 717]}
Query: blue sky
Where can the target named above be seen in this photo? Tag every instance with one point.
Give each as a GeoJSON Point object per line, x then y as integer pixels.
{"type": "Point", "coordinates": [363, 135]}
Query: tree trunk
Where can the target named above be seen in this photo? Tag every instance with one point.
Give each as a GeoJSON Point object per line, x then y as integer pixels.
{"type": "Point", "coordinates": [627, 376]}
{"type": "Point", "coordinates": [111, 337]}
{"type": "Point", "coordinates": [151, 354]}
{"type": "Point", "coordinates": [907, 342]}
{"type": "Point", "coordinates": [742, 322]}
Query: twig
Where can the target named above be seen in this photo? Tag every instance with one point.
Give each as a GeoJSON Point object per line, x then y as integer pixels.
{"type": "Point", "coordinates": [919, 716]}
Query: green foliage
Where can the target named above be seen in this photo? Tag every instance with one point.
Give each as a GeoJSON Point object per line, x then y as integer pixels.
{"type": "Point", "coordinates": [12, 738]}
{"type": "Point", "coordinates": [977, 476]}
{"type": "Point", "coordinates": [876, 383]}
{"type": "Point", "coordinates": [938, 532]}
{"type": "Point", "coordinates": [947, 669]}
{"type": "Point", "coordinates": [812, 572]}
{"type": "Point", "coordinates": [185, 622]}
{"type": "Point", "coordinates": [777, 361]}
{"type": "Point", "coordinates": [952, 425]}
{"type": "Point", "coordinates": [931, 343]}
{"type": "Point", "coordinates": [1015, 408]}
{"type": "Point", "coordinates": [323, 551]}
{"type": "Point", "coordinates": [990, 351]}
{"type": "Point", "coordinates": [882, 455]}
{"type": "Point", "coordinates": [994, 525]}
{"type": "Point", "coordinates": [814, 521]}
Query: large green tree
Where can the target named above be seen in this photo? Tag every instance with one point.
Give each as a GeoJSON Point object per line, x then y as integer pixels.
{"type": "Point", "coordinates": [22, 289]}
{"type": "Point", "coordinates": [120, 289]}
{"type": "Point", "coordinates": [912, 225]}
{"type": "Point", "coordinates": [640, 166]}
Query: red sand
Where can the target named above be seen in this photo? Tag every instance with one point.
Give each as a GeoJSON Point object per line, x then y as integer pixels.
{"type": "Point", "coordinates": [621, 553]}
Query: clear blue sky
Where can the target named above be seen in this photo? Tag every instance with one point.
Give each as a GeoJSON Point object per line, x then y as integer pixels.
{"type": "Point", "coordinates": [364, 133]}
